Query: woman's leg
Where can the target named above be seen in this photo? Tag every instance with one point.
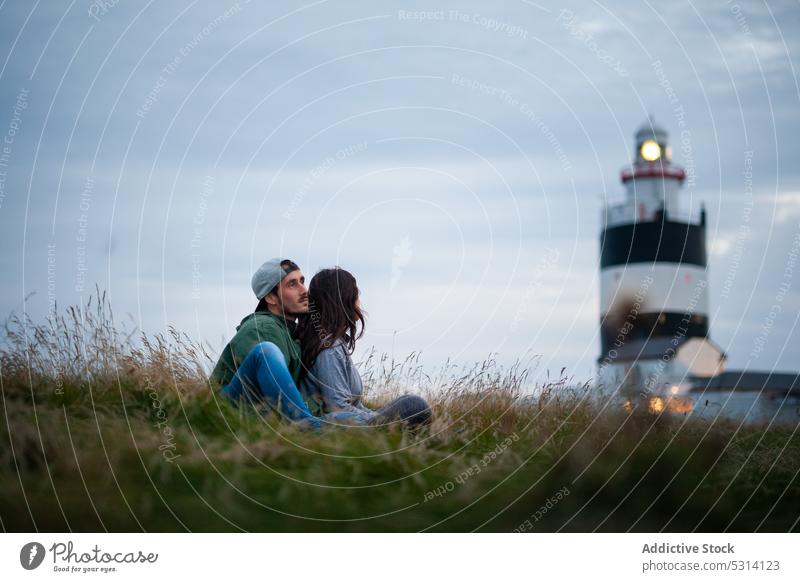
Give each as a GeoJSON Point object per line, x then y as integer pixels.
{"type": "Point", "coordinates": [347, 418]}
{"type": "Point", "coordinates": [409, 409]}
{"type": "Point", "coordinates": [263, 375]}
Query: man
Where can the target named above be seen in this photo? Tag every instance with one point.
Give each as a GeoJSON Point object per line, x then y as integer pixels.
{"type": "Point", "coordinates": [262, 361]}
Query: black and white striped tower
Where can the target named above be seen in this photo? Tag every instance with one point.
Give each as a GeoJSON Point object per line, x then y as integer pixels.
{"type": "Point", "coordinates": [652, 260]}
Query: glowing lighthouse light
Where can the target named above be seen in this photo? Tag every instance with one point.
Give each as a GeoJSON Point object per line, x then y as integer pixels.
{"type": "Point", "coordinates": [650, 150]}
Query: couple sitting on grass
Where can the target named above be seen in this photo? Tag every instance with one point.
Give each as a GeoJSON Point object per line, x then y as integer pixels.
{"type": "Point", "coordinates": [293, 353]}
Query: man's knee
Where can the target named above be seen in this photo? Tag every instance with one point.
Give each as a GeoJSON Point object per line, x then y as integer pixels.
{"type": "Point", "coordinates": [269, 351]}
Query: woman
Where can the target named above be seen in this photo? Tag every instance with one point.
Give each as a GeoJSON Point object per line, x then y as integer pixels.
{"type": "Point", "coordinates": [328, 337]}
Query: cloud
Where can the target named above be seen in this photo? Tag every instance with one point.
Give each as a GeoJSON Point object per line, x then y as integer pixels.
{"type": "Point", "coordinates": [483, 148]}
{"type": "Point", "coordinates": [788, 206]}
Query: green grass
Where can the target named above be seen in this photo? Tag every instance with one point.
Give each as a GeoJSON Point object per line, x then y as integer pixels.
{"type": "Point", "coordinates": [106, 430]}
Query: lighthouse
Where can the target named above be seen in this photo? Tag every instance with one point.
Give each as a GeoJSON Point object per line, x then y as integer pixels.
{"type": "Point", "coordinates": [654, 306]}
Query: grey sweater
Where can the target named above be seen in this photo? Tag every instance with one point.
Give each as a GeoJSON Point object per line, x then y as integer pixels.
{"type": "Point", "coordinates": [334, 383]}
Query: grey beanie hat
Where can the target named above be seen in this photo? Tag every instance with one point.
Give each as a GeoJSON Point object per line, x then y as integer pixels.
{"type": "Point", "coordinates": [268, 275]}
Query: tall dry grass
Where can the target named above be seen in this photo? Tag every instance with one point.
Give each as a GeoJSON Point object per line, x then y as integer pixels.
{"type": "Point", "coordinates": [104, 427]}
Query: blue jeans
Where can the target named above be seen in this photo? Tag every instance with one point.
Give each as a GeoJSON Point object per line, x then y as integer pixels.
{"type": "Point", "coordinates": [411, 410]}
{"type": "Point", "coordinates": [264, 376]}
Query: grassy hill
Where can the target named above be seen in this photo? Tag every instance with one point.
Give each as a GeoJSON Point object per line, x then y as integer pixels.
{"type": "Point", "coordinates": [101, 430]}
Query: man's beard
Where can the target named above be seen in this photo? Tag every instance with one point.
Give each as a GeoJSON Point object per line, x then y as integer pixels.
{"type": "Point", "coordinates": [294, 314]}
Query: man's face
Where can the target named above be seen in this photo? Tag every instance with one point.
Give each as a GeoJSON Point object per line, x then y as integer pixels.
{"type": "Point", "coordinates": [292, 296]}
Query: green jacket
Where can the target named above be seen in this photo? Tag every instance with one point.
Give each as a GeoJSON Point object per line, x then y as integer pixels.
{"type": "Point", "coordinates": [261, 326]}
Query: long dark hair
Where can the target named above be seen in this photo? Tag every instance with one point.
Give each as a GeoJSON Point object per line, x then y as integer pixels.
{"type": "Point", "coordinates": [332, 314]}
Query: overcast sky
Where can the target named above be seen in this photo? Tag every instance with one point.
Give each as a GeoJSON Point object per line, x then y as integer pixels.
{"type": "Point", "coordinates": [454, 156]}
